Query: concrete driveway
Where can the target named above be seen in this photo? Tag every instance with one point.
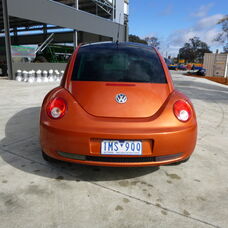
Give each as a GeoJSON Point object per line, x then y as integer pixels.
{"type": "Point", "coordinates": [34, 193]}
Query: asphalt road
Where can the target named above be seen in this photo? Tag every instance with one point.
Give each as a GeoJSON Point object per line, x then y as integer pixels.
{"type": "Point", "coordinates": [34, 193]}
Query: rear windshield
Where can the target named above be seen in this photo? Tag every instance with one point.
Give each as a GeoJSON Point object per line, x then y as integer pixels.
{"type": "Point", "coordinates": [120, 63]}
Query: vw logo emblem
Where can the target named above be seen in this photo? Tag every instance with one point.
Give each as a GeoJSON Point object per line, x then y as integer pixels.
{"type": "Point", "coordinates": [121, 98]}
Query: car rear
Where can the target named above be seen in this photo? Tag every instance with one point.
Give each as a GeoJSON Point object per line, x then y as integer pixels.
{"type": "Point", "coordinates": [119, 110]}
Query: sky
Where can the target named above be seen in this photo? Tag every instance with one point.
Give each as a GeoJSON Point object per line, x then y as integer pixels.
{"type": "Point", "coordinates": [174, 22]}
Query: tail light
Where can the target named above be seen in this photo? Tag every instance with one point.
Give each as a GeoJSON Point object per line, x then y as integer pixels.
{"type": "Point", "coordinates": [182, 110]}
{"type": "Point", "coordinates": [56, 108]}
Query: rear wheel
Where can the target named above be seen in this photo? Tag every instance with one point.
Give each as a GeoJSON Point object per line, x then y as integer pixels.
{"type": "Point", "coordinates": [48, 158]}
{"type": "Point", "coordinates": [179, 162]}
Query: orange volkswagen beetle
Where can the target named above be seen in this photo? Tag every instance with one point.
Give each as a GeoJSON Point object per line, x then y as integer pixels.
{"type": "Point", "coordinates": [117, 106]}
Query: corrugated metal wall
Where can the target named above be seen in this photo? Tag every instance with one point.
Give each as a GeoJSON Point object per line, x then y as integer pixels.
{"type": "Point", "coordinates": [215, 64]}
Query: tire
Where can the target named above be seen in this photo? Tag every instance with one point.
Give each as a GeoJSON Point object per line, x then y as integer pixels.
{"type": "Point", "coordinates": [48, 158]}
{"type": "Point", "coordinates": [179, 162]}
{"type": "Point", "coordinates": [40, 59]}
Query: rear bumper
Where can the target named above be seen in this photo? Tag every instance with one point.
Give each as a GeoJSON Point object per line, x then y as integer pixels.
{"type": "Point", "coordinates": [159, 148]}
{"type": "Point", "coordinates": [79, 133]}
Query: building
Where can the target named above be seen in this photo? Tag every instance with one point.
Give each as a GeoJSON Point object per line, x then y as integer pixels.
{"type": "Point", "coordinates": [216, 64]}
{"type": "Point", "coordinates": [80, 21]}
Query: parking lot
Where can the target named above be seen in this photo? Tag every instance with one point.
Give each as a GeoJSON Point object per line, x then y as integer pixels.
{"type": "Point", "coordinates": [35, 193]}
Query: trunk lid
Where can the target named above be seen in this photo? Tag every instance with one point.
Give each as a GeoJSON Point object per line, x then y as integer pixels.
{"type": "Point", "coordinates": [99, 98]}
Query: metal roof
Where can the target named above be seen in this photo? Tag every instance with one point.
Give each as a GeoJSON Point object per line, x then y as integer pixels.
{"type": "Point", "coordinates": [91, 6]}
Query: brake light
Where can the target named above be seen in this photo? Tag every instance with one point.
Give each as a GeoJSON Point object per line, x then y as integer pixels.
{"type": "Point", "coordinates": [182, 110]}
{"type": "Point", "coordinates": [56, 108]}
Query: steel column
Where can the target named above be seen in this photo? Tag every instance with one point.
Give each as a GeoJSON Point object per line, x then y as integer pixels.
{"type": "Point", "coordinates": [75, 31]}
{"type": "Point", "coordinates": [226, 69]}
{"type": "Point", "coordinates": [126, 33]}
{"type": "Point", "coordinates": [7, 40]}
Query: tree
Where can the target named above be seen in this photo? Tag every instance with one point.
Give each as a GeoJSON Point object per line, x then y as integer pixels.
{"type": "Point", "coordinates": [194, 50]}
{"type": "Point", "coordinates": [152, 41]}
{"type": "Point", "coordinates": [136, 39]}
{"type": "Point", "coordinates": [222, 37]}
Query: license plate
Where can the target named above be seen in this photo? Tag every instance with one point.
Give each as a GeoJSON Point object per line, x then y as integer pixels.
{"type": "Point", "coordinates": [121, 147]}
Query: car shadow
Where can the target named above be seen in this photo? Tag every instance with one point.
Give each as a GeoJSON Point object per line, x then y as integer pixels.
{"type": "Point", "coordinates": [21, 149]}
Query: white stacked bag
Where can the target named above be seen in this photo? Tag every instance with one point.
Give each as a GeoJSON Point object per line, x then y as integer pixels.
{"type": "Point", "coordinates": [39, 76]}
